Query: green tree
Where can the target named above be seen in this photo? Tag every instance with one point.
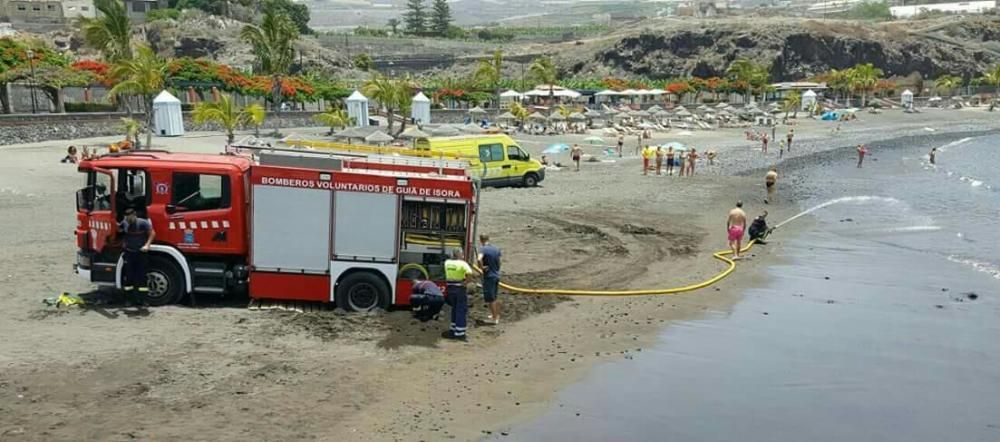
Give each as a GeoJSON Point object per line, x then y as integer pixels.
{"type": "Point", "coordinates": [110, 32]}
{"type": "Point", "coordinates": [256, 115]}
{"type": "Point", "coordinates": [333, 117]}
{"type": "Point", "coordinates": [297, 12]}
{"type": "Point", "coordinates": [754, 76]}
{"type": "Point", "coordinates": [863, 78]}
{"type": "Point", "coordinates": [947, 83]}
{"type": "Point", "coordinates": [144, 76]}
{"type": "Point", "coordinates": [386, 92]}
{"type": "Point", "coordinates": [793, 100]}
{"type": "Point", "coordinates": [393, 24]}
{"type": "Point", "coordinates": [992, 78]}
{"type": "Point", "coordinates": [226, 114]}
{"type": "Point", "coordinates": [272, 44]}
{"type": "Point", "coordinates": [544, 71]}
{"type": "Point", "coordinates": [490, 72]}
{"type": "Point", "coordinates": [131, 128]}
{"type": "Point", "coordinates": [440, 18]}
{"type": "Point", "coordinates": [50, 79]}
{"type": "Point", "coordinates": [364, 62]}
{"type": "Point", "coordinates": [869, 10]}
{"type": "Point", "coordinates": [415, 17]}
{"type": "Point", "coordinates": [163, 14]}
{"type": "Point", "coordinates": [839, 81]}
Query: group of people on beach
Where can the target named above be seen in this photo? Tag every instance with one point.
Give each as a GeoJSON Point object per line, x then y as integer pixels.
{"type": "Point", "coordinates": [684, 161]}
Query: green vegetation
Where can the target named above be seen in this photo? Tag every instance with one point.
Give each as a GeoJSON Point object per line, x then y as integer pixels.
{"type": "Point", "coordinates": [793, 100]}
{"type": "Point", "coordinates": [490, 72]}
{"type": "Point", "coordinates": [142, 77]}
{"type": "Point", "coordinates": [272, 46]}
{"type": "Point", "coordinates": [992, 78]}
{"type": "Point", "coordinates": [415, 17]}
{"type": "Point", "coordinates": [869, 10]}
{"type": "Point", "coordinates": [393, 94]}
{"type": "Point", "coordinates": [440, 21]}
{"type": "Point", "coordinates": [111, 32]}
{"type": "Point", "coordinates": [947, 83]}
{"type": "Point", "coordinates": [364, 62]}
{"type": "Point", "coordinates": [163, 14]}
{"type": "Point", "coordinates": [544, 71]}
{"type": "Point", "coordinates": [228, 115]}
{"type": "Point", "coordinates": [333, 117]}
{"type": "Point", "coordinates": [299, 13]}
{"type": "Point", "coordinates": [393, 25]}
{"type": "Point", "coordinates": [752, 77]}
{"type": "Point", "coordinates": [863, 78]}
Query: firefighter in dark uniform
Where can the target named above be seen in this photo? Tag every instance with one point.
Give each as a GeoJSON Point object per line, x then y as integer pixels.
{"type": "Point", "coordinates": [458, 274]}
{"type": "Point", "coordinates": [138, 234]}
{"type": "Point", "coordinates": [426, 299]}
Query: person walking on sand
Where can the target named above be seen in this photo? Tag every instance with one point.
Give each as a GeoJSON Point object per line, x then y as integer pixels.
{"type": "Point", "coordinates": [769, 181]}
{"type": "Point", "coordinates": [647, 154]}
{"type": "Point", "coordinates": [932, 155]}
{"type": "Point", "coordinates": [576, 153]}
{"type": "Point", "coordinates": [791, 134]}
{"type": "Point", "coordinates": [457, 274]}
{"type": "Point", "coordinates": [670, 160]}
{"type": "Point", "coordinates": [489, 261]}
{"type": "Point", "coordinates": [862, 150]}
{"type": "Point", "coordinates": [763, 141]}
{"type": "Point", "coordinates": [781, 149]}
{"type": "Point", "coordinates": [659, 160]}
{"type": "Point", "coordinates": [139, 235]}
{"type": "Point", "coordinates": [638, 144]}
{"type": "Point", "coordinates": [735, 225]}
{"type": "Point", "coordinates": [692, 156]}
{"type": "Point", "coordinates": [621, 145]}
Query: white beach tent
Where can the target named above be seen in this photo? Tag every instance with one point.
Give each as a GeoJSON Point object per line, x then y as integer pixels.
{"type": "Point", "coordinates": [907, 99]}
{"type": "Point", "coordinates": [167, 117]}
{"type": "Point", "coordinates": [420, 110]}
{"type": "Point", "coordinates": [808, 100]}
{"type": "Point", "coordinates": [357, 109]}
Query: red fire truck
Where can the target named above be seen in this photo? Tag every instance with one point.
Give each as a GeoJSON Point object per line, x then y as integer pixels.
{"type": "Point", "coordinates": [279, 225]}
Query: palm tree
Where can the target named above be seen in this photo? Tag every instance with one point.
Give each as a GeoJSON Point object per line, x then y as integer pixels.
{"type": "Point", "coordinates": [334, 118]}
{"type": "Point", "coordinates": [745, 71]}
{"type": "Point", "coordinates": [142, 77]}
{"type": "Point", "coordinates": [864, 77]}
{"type": "Point", "coordinates": [544, 71]}
{"type": "Point", "coordinates": [110, 32]}
{"type": "Point", "coordinates": [385, 91]}
{"type": "Point", "coordinates": [256, 114]}
{"type": "Point", "coordinates": [226, 114]}
{"type": "Point", "coordinates": [519, 111]}
{"type": "Point", "coordinates": [272, 45]}
{"type": "Point", "coordinates": [490, 71]}
{"type": "Point", "coordinates": [131, 128]}
{"type": "Point", "coordinates": [947, 83]}
{"type": "Point", "coordinates": [839, 81]}
{"type": "Point", "coordinates": [992, 78]}
{"type": "Point", "coordinates": [793, 100]}
{"type": "Point", "coordinates": [404, 98]}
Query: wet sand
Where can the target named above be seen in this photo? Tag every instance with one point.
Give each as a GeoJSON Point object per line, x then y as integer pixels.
{"type": "Point", "coordinates": [222, 372]}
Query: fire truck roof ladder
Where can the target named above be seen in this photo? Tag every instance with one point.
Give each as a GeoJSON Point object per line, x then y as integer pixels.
{"type": "Point", "coordinates": [273, 156]}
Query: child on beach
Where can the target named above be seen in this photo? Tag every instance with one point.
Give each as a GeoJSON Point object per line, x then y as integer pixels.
{"type": "Point", "coordinates": [862, 150]}
{"type": "Point", "coordinates": [781, 149]}
{"type": "Point", "coordinates": [72, 158]}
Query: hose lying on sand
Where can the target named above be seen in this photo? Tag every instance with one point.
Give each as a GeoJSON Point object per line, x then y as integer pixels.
{"type": "Point", "coordinates": [721, 255]}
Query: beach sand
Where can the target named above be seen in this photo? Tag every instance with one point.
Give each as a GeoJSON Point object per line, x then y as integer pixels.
{"type": "Point", "coordinates": [222, 372]}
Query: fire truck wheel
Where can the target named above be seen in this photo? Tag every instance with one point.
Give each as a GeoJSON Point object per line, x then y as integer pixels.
{"type": "Point", "coordinates": [165, 281]}
{"type": "Point", "coordinates": [530, 180]}
{"type": "Point", "coordinates": [362, 292]}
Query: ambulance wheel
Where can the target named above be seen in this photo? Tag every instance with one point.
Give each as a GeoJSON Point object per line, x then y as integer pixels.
{"type": "Point", "coordinates": [166, 283]}
{"type": "Point", "coordinates": [530, 180]}
{"type": "Point", "coordinates": [362, 292]}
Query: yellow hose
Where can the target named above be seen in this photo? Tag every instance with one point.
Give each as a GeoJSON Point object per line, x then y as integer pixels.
{"type": "Point", "coordinates": [414, 265]}
{"type": "Point", "coordinates": [720, 255]}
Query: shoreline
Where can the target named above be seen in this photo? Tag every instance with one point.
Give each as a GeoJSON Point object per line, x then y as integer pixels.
{"type": "Point", "coordinates": [262, 372]}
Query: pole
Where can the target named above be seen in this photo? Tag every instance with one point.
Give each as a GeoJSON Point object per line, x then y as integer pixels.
{"type": "Point", "coordinates": [31, 64]}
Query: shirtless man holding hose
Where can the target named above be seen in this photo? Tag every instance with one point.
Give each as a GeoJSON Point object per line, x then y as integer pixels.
{"type": "Point", "coordinates": [736, 224]}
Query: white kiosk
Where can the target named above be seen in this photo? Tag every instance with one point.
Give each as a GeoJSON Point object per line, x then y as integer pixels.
{"type": "Point", "coordinates": [420, 110]}
{"type": "Point", "coordinates": [357, 109]}
{"type": "Point", "coordinates": [168, 121]}
{"type": "Point", "coordinates": [906, 98]}
{"type": "Point", "coordinates": [808, 100]}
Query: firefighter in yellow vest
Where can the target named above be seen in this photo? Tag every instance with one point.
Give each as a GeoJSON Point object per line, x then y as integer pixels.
{"type": "Point", "coordinates": [457, 274]}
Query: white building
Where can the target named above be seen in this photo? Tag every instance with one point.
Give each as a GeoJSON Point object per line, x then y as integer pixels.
{"type": "Point", "coordinates": [958, 8]}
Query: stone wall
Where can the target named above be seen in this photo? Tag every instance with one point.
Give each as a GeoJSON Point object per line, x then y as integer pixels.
{"type": "Point", "coordinates": [16, 129]}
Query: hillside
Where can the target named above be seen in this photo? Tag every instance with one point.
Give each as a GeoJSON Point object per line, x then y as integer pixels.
{"type": "Point", "coordinates": [793, 48]}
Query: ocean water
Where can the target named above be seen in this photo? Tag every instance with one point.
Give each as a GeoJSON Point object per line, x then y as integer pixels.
{"type": "Point", "coordinates": [883, 325]}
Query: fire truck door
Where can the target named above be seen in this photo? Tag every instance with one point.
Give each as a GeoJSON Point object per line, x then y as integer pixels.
{"type": "Point", "coordinates": [200, 212]}
{"type": "Point", "coordinates": [101, 220]}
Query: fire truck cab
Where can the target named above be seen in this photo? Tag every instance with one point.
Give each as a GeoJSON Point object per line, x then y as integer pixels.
{"type": "Point", "coordinates": [277, 226]}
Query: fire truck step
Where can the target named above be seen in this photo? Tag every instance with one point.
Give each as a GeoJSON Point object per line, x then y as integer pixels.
{"type": "Point", "coordinates": [254, 304]}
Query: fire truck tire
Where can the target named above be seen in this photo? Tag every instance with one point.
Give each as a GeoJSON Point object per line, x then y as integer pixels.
{"type": "Point", "coordinates": [362, 292]}
{"type": "Point", "coordinates": [166, 282]}
{"type": "Point", "coordinates": [530, 180]}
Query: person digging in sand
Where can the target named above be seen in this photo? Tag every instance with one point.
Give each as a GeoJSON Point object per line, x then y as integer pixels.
{"type": "Point", "coordinates": [769, 181]}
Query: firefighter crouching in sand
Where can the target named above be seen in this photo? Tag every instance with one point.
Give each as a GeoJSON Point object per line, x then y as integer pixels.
{"type": "Point", "coordinates": [458, 274]}
{"type": "Point", "coordinates": [426, 299]}
{"type": "Point", "coordinates": [138, 235]}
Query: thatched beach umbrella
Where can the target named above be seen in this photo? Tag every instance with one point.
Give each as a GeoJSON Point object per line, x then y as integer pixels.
{"type": "Point", "coordinates": [353, 132]}
{"type": "Point", "coordinates": [654, 109]}
{"type": "Point", "coordinates": [471, 129]}
{"type": "Point", "coordinates": [445, 131]}
{"type": "Point", "coordinates": [557, 117]}
{"type": "Point", "coordinates": [538, 117]}
{"type": "Point", "coordinates": [379, 138]}
{"type": "Point", "coordinates": [641, 114]}
{"type": "Point", "coordinates": [683, 113]}
{"type": "Point", "coordinates": [661, 114]}
{"type": "Point", "coordinates": [576, 116]}
{"type": "Point", "coordinates": [477, 111]}
{"type": "Point", "coordinates": [590, 113]}
{"type": "Point", "coordinates": [507, 116]}
{"type": "Point", "coordinates": [413, 133]}
{"type": "Point", "coordinates": [621, 117]}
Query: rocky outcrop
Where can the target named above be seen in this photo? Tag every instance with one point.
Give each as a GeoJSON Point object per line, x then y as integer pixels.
{"type": "Point", "coordinates": [794, 49]}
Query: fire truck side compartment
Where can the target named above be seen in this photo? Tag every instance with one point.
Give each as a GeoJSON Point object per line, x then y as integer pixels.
{"type": "Point", "coordinates": [365, 228]}
{"type": "Point", "coordinates": [291, 230]}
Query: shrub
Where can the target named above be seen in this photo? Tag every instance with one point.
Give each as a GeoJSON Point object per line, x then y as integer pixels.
{"type": "Point", "coordinates": [163, 14]}
{"type": "Point", "coordinates": [90, 107]}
